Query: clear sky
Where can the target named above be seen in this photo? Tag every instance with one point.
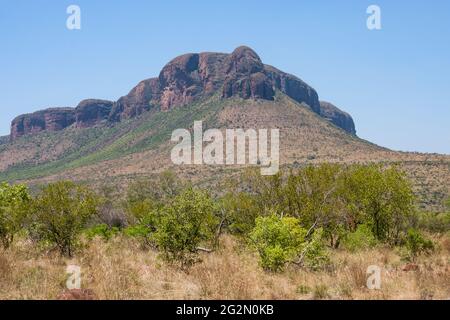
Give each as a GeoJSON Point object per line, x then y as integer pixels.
{"type": "Point", "coordinates": [395, 82]}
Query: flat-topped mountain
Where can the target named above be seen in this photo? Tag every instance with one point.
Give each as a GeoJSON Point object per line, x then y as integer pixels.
{"type": "Point", "coordinates": [184, 80]}
{"type": "Point", "coordinates": [101, 141]}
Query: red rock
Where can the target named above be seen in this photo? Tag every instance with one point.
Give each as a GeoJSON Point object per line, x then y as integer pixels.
{"type": "Point", "coordinates": [410, 267]}
{"type": "Point", "coordinates": [186, 79]}
{"type": "Point", "coordinates": [77, 294]}
{"type": "Point", "coordinates": [337, 117]}
{"type": "Point", "coordinates": [91, 112]}
{"type": "Point", "coordinates": [53, 119]}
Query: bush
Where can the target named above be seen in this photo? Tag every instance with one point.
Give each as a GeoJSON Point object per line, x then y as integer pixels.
{"type": "Point", "coordinates": [61, 212]}
{"type": "Point", "coordinates": [417, 244]}
{"type": "Point", "coordinates": [435, 222]}
{"type": "Point", "coordinates": [336, 198]}
{"type": "Point", "coordinates": [361, 238]}
{"type": "Point", "coordinates": [380, 198]}
{"type": "Point", "coordinates": [315, 252]}
{"type": "Point", "coordinates": [241, 211]}
{"type": "Point", "coordinates": [14, 201]}
{"type": "Point", "coordinates": [184, 224]}
{"type": "Point", "coordinates": [144, 229]}
{"type": "Point", "coordinates": [146, 195]}
{"type": "Point", "coordinates": [101, 230]}
{"type": "Point", "coordinates": [277, 240]}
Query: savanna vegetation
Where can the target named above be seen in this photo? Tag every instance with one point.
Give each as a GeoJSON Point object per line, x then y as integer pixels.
{"type": "Point", "coordinates": [306, 233]}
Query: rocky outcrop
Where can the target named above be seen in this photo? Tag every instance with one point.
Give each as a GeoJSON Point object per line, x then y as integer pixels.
{"type": "Point", "coordinates": [245, 76]}
{"type": "Point", "coordinates": [294, 88]}
{"type": "Point", "coordinates": [139, 100]}
{"type": "Point", "coordinates": [193, 76]}
{"type": "Point", "coordinates": [53, 119]}
{"type": "Point", "coordinates": [86, 114]}
{"type": "Point", "coordinates": [337, 117]}
{"type": "Point", "coordinates": [91, 112]}
{"type": "Point", "coordinates": [186, 79]}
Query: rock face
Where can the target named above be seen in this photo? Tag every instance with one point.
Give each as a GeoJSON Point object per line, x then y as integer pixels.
{"type": "Point", "coordinates": [139, 100]}
{"type": "Point", "coordinates": [183, 80]}
{"type": "Point", "coordinates": [53, 119]}
{"type": "Point", "coordinates": [338, 117]}
{"type": "Point", "coordinates": [90, 112]}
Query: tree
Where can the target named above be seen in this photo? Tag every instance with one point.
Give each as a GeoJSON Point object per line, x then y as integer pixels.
{"type": "Point", "coordinates": [184, 224]}
{"type": "Point", "coordinates": [381, 198]}
{"type": "Point", "coordinates": [277, 240]}
{"type": "Point", "coordinates": [61, 211]}
{"type": "Point", "coordinates": [146, 195]}
{"type": "Point", "coordinates": [14, 201]}
{"type": "Point", "coordinates": [417, 244]}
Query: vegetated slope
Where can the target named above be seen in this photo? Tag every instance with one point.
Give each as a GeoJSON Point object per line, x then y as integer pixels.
{"type": "Point", "coordinates": [114, 142]}
{"type": "Point", "coordinates": [141, 146]}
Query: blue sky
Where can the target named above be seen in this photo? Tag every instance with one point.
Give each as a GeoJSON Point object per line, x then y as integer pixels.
{"type": "Point", "coordinates": [395, 82]}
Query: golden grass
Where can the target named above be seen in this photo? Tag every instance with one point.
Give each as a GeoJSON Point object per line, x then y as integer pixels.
{"type": "Point", "coordinates": [121, 269]}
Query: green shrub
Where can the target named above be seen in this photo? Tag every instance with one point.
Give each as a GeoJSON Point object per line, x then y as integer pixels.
{"type": "Point", "coordinates": [241, 211]}
{"type": "Point", "coordinates": [361, 238]}
{"type": "Point", "coordinates": [380, 198]}
{"type": "Point", "coordinates": [14, 201]}
{"type": "Point", "coordinates": [102, 231]}
{"type": "Point", "coordinates": [146, 195]}
{"type": "Point", "coordinates": [60, 213]}
{"type": "Point", "coordinates": [333, 197]}
{"type": "Point", "coordinates": [435, 222]}
{"type": "Point", "coordinates": [144, 229]}
{"type": "Point", "coordinates": [184, 224]}
{"type": "Point", "coordinates": [277, 240]}
{"type": "Point", "coordinates": [417, 244]}
{"type": "Point", "coordinates": [315, 252]}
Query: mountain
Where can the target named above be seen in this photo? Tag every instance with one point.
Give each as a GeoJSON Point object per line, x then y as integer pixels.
{"type": "Point", "coordinates": [101, 141]}
{"type": "Point", "coordinates": [184, 80]}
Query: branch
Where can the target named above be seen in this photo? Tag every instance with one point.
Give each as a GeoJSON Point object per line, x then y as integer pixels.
{"type": "Point", "coordinates": [204, 249]}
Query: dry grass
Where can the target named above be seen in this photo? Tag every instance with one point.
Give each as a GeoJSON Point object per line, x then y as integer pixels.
{"type": "Point", "coordinates": [121, 269]}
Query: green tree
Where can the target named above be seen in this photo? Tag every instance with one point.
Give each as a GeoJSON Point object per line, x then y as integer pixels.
{"type": "Point", "coordinates": [381, 198]}
{"type": "Point", "coordinates": [61, 211]}
{"type": "Point", "coordinates": [361, 238]}
{"type": "Point", "coordinates": [14, 201]}
{"type": "Point", "coordinates": [417, 244]}
{"type": "Point", "coordinates": [278, 240]}
{"type": "Point", "coordinates": [146, 195]}
{"type": "Point", "coordinates": [185, 223]}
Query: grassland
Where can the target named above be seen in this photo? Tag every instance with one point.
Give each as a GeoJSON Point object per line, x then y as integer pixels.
{"type": "Point", "coordinates": [121, 269]}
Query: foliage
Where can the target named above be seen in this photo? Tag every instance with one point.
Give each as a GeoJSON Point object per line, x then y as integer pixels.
{"type": "Point", "coordinates": [381, 198]}
{"type": "Point", "coordinates": [60, 213]}
{"type": "Point", "coordinates": [361, 238]}
{"type": "Point", "coordinates": [144, 229]}
{"type": "Point", "coordinates": [184, 224]}
{"type": "Point", "coordinates": [241, 212]}
{"type": "Point", "coordinates": [315, 253]}
{"type": "Point", "coordinates": [101, 230]}
{"type": "Point", "coordinates": [277, 240]}
{"type": "Point", "coordinates": [146, 195]}
{"type": "Point", "coordinates": [417, 244]}
{"type": "Point", "coordinates": [434, 222]}
{"type": "Point", "coordinates": [336, 198]}
{"type": "Point", "coordinates": [14, 201]}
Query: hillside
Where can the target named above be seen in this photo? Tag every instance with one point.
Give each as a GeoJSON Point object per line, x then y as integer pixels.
{"type": "Point", "coordinates": [103, 142]}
